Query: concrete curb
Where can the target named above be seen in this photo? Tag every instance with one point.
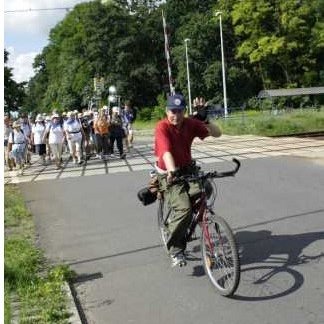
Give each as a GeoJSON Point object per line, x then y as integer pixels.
{"type": "Point", "coordinates": [72, 308]}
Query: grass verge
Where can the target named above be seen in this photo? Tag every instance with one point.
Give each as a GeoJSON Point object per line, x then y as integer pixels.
{"type": "Point", "coordinates": [267, 124]}
{"type": "Point", "coordinates": [263, 123]}
{"type": "Point", "coordinates": [33, 290]}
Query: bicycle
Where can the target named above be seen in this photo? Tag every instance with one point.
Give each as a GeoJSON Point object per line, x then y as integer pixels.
{"type": "Point", "coordinates": [218, 247]}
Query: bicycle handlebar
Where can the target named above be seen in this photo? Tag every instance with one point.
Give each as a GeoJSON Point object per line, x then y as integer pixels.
{"type": "Point", "coordinates": [214, 174]}
{"type": "Point", "coordinates": [231, 173]}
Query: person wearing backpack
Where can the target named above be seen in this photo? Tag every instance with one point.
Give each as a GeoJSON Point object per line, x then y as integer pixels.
{"type": "Point", "coordinates": [117, 132]}
{"type": "Point", "coordinates": [86, 145]}
{"type": "Point", "coordinates": [101, 128]}
{"type": "Point", "coordinates": [17, 143]}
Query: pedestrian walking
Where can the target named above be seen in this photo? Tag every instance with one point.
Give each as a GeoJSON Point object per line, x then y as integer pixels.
{"type": "Point", "coordinates": [92, 141]}
{"type": "Point", "coordinates": [26, 128]}
{"type": "Point", "coordinates": [56, 135]}
{"type": "Point", "coordinates": [73, 131]}
{"type": "Point", "coordinates": [38, 138]}
{"type": "Point", "coordinates": [129, 116]}
{"type": "Point", "coordinates": [7, 131]}
{"type": "Point", "coordinates": [48, 122]}
{"type": "Point", "coordinates": [117, 132]}
{"type": "Point", "coordinates": [101, 127]}
{"type": "Point", "coordinates": [65, 143]}
{"type": "Point", "coordinates": [17, 143]}
{"type": "Point", "coordinates": [86, 148]}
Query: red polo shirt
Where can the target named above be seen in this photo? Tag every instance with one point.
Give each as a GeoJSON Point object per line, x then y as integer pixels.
{"type": "Point", "coordinates": [177, 141]}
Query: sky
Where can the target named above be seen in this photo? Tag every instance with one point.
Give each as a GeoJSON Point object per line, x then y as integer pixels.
{"type": "Point", "coordinates": [26, 32]}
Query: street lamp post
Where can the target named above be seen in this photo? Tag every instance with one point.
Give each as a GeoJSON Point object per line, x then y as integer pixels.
{"type": "Point", "coordinates": [219, 13]}
{"type": "Point", "coordinates": [113, 97]}
{"type": "Point", "coordinates": [188, 75]}
{"type": "Point", "coordinates": [112, 94]}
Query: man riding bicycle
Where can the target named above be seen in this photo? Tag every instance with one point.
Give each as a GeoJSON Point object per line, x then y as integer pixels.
{"type": "Point", "coordinates": [173, 139]}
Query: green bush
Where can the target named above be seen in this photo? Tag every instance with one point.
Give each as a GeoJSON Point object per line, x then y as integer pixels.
{"type": "Point", "coordinates": [159, 110]}
{"type": "Point", "coordinates": [144, 114]}
{"type": "Point", "coordinates": [158, 113]}
{"type": "Point", "coordinates": [154, 113]}
{"type": "Point", "coordinates": [254, 103]}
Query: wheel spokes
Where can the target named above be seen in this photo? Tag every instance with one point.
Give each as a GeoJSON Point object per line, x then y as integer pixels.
{"type": "Point", "coordinates": [218, 257]}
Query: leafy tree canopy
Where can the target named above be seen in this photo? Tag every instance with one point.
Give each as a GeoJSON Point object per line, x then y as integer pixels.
{"type": "Point", "coordinates": [14, 93]}
{"type": "Point", "coordinates": [267, 44]}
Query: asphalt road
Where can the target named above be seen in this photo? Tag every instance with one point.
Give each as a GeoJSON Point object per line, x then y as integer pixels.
{"type": "Point", "coordinates": [98, 227]}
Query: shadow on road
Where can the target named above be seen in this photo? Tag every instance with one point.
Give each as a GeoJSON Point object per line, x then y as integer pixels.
{"type": "Point", "coordinates": [115, 255]}
{"type": "Point", "coordinates": [79, 279]}
{"type": "Point", "coordinates": [268, 263]}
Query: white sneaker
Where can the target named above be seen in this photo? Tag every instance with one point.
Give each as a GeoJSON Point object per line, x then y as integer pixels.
{"type": "Point", "coordinates": [178, 259]}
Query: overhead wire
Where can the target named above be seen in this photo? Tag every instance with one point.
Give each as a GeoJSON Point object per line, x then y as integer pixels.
{"type": "Point", "coordinates": [38, 9]}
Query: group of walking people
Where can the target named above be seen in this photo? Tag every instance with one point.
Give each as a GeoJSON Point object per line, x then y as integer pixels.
{"type": "Point", "coordinates": [82, 134]}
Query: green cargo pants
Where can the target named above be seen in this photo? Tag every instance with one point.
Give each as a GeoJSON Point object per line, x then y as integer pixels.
{"type": "Point", "coordinates": [177, 196]}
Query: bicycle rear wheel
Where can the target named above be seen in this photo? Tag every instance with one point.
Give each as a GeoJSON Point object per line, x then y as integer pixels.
{"type": "Point", "coordinates": [162, 218]}
{"type": "Point", "coordinates": [220, 255]}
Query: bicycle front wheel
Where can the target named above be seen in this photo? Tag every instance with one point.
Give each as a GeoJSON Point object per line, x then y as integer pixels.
{"type": "Point", "coordinates": [220, 255]}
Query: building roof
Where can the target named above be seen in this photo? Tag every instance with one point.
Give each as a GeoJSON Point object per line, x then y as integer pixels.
{"type": "Point", "coordinates": [290, 92]}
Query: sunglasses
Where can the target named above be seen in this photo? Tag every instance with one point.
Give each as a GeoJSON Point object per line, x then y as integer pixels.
{"type": "Point", "coordinates": [176, 111]}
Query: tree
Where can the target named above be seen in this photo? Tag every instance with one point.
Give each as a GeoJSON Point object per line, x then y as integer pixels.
{"type": "Point", "coordinates": [100, 40]}
{"type": "Point", "coordinates": [14, 93]}
{"type": "Point", "coordinates": [274, 36]}
{"type": "Point", "coordinates": [267, 44]}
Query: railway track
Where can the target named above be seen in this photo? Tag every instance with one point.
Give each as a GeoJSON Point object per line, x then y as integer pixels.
{"type": "Point", "coordinates": [319, 134]}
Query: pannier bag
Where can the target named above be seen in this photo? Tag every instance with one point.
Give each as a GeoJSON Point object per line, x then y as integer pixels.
{"type": "Point", "coordinates": [146, 196]}
{"type": "Point", "coordinates": [149, 194]}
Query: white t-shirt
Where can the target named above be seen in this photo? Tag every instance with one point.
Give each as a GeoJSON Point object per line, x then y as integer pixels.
{"type": "Point", "coordinates": [17, 137]}
{"type": "Point", "coordinates": [7, 131]}
{"type": "Point", "coordinates": [56, 134]}
{"type": "Point", "coordinates": [38, 130]}
{"type": "Point", "coordinates": [73, 128]}
{"type": "Point", "coordinates": [26, 129]}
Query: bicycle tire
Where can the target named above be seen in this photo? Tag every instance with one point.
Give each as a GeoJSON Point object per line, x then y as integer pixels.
{"type": "Point", "coordinates": [220, 255]}
{"type": "Point", "coordinates": [161, 223]}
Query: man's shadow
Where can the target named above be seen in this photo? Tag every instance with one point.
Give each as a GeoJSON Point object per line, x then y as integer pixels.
{"type": "Point", "coordinates": [267, 261]}
{"type": "Point", "coordinates": [260, 246]}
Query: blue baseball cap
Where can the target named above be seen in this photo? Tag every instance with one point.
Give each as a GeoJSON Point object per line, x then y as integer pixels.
{"type": "Point", "coordinates": [176, 101]}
